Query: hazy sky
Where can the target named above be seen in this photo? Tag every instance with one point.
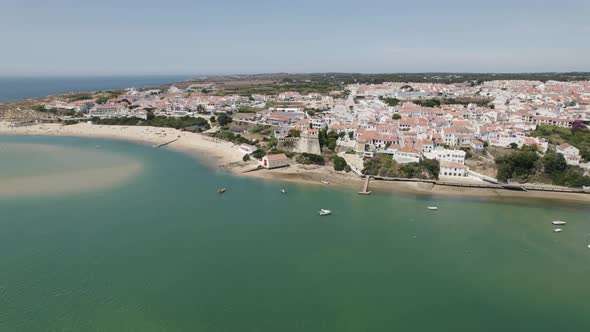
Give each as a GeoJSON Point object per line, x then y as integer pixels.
{"type": "Point", "coordinates": [79, 37]}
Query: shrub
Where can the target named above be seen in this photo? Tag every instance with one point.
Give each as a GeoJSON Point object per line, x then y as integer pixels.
{"type": "Point", "coordinates": [309, 159]}
{"type": "Point", "coordinates": [258, 154]}
{"type": "Point", "coordinates": [339, 164]}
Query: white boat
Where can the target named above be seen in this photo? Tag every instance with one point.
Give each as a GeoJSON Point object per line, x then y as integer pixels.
{"type": "Point", "coordinates": [283, 191]}
{"type": "Point", "coordinates": [325, 182]}
{"type": "Point", "coordinates": [432, 208]}
{"type": "Point", "coordinates": [324, 212]}
{"type": "Point", "coordinates": [98, 146]}
{"type": "Point", "coordinates": [558, 222]}
{"type": "Point", "coordinates": [557, 230]}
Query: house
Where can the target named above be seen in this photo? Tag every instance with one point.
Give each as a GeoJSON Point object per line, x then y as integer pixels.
{"type": "Point", "coordinates": [572, 159]}
{"type": "Point", "coordinates": [407, 154]}
{"type": "Point", "coordinates": [275, 161]}
{"type": "Point", "coordinates": [446, 155]}
{"type": "Point", "coordinates": [566, 149]}
{"type": "Point", "coordinates": [107, 111]}
{"type": "Point", "coordinates": [477, 145]}
{"type": "Point", "coordinates": [452, 169]}
{"type": "Point", "coordinates": [247, 148]}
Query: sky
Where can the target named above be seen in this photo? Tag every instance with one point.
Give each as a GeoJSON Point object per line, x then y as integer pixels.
{"type": "Point", "coordinates": [146, 37]}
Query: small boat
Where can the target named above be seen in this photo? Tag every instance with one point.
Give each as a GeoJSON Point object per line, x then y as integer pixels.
{"type": "Point", "coordinates": [324, 212]}
{"type": "Point", "coordinates": [558, 222]}
{"type": "Point", "coordinates": [98, 146]}
{"type": "Point", "coordinates": [283, 191]}
{"type": "Point", "coordinates": [325, 182]}
{"type": "Point", "coordinates": [432, 208]}
{"type": "Point", "coordinates": [221, 190]}
{"type": "Point", "coordinates": [557, 230]}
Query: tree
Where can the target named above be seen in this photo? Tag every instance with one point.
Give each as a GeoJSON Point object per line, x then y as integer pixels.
{"type": "Point", "coordinates": [350, 134]}
{"type": "Point", "coordinates": [294, 133]}
{"type": "Point", "coordinates": [102, 99]}
{"type": "Point", "coordinates": [517, 165]}
{"type": "Point", "coordinates": [341, 134]}
{"type": "Point", "coordinates": [212, 118]}
{"type": "Point", "coordinates": [396, 116]}
{"type": "Point", "coordinates": [513, 146]}
{"type": "Point", "coordinates": [332, 137]}
{"type": "Point", "coordinates": [339, 164]}
{"type": "Point", "coordinates": [246, 157]}
{"type": "Point", "coordinates": [391, 101]}
{"type": "Point", "coordinates": [553, 163]}
{"type": "Point", "coordinates": [150, 115]}
{"type": "Point", "coordinates": [224, 119]}
{"type": "Point", "coordinates": [258, 154]}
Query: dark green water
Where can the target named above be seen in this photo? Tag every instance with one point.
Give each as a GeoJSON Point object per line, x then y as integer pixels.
{"type": "Point", "coordinates": [165, 252]}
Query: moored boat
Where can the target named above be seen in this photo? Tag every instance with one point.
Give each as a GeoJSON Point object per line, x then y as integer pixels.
{"type": "Point", "coordinates": [432, 208]}
{"type": "Point", "coordinates": [283, 191]}
{"type": "Point", "coordinates": [558, 222]}
{"type": "Point", "coordinates": [324, 212]}
{"type": "Point", "coordinates": [557, 230]}
{"type": "Point", "coordinates": [325, 182]}
{"type": "Point", "coordinates": [221, 190]}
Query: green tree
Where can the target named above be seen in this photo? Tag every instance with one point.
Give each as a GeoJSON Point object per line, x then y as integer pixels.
{"type": "Point", "coordinates": [224, 119]}
{"type": "Point", "coordinates": [294, 133]}
{"type": "Point", "coordinates": [517, 165]}
{"type": "Point", "coordinates": [258, 154]}
{"type": "Point", "coordinates": [339, 164]}
{"type": "Point", "coordinates": [392, 101]}
{"type": "Point", "coordinates": [513, 146]}
{"type": "Point", "coordinates": [554, 163]}
{"type": "Point", "coordinates": [212, 119]}
{"type": "Point", "coordinates": [350, 134]}
{"type": "Point", "coordinates": [150, 115]}
{"type": "Point", "coordinates": [102, 99]}
{"type": "Point", "coordinates": [396, 116]}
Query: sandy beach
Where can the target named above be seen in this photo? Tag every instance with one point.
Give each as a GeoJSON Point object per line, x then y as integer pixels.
{"type": "Point", "coordinates": [226, 155]}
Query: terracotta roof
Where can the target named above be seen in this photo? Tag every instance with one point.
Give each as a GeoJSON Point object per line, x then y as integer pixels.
{"type": "Point", "coordinates": [272, 157]}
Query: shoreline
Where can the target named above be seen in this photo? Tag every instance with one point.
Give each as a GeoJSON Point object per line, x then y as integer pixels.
{"type": "Point", "coordinates": [226, 156]}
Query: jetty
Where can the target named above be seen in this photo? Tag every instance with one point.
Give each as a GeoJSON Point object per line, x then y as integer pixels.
{"type": "Point", "coordinates": [365, 190]}
{"type": "Point", "coordinates": [166, 143]}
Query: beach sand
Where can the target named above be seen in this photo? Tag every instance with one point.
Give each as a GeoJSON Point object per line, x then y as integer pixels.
{"type": "Point", "coordinates": [226, 155]}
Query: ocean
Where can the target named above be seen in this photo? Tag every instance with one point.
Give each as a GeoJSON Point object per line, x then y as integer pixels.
{"type": "Point", "coordinates": [17, 88]}
{"type": "Point", "coordinates": [161, 250]}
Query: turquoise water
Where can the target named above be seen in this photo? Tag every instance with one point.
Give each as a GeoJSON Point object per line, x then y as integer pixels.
{"type": "Point", "coordinates": [164, 252]}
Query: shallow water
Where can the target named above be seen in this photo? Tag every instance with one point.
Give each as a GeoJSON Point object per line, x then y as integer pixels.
{"type": "Point", "coordinates": [28, 169]}
{"type": "Point", "coordinates": [163, 251]}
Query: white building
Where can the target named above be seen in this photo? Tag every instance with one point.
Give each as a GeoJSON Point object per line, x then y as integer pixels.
{"type": "Point", "coordinates": [452, 169]}
{"type": "Point", "coordinates": [108, 111]}
{"type": "Point", "coordinates": [570, 153]}
{"type": "Point", "coordinates": [568, 149]}
{"type": "Point", "coordinates": [477, 145]}
{"type": "Point", "coordinates": [406, 155]}
{"type": "Point", "coordinates": [247, 148]}
{"type": "Point", "coordinates": [275, 161]}
{"type": "Point", "coordinates": [446, 155]}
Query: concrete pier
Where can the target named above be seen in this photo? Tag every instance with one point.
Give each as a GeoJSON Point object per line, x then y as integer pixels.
{"type": "Point", "coordinates": [365, 190]}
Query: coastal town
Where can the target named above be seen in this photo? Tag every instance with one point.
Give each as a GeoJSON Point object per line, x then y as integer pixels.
{"type": "Point", "coordinates": [469, 132]}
